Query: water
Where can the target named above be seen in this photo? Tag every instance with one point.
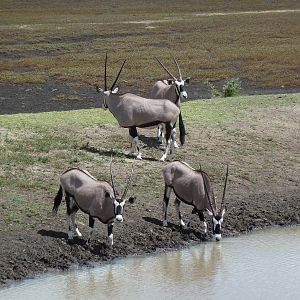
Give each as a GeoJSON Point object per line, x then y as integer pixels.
{"type": "Point", "coordinates": [263, 265]}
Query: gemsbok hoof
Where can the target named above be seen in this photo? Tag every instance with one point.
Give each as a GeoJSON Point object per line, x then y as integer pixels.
{"type": "Point", "coordinates": [165, 223]}
{"type": "Point", "coordinates": [163, 158]}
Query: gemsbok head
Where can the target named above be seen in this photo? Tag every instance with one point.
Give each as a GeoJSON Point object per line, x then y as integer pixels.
{"type": "Point", "coordinates": [174, 90]}
{"type": "Point", "coordinates": [193, 187]}
{"type": "Point", "coordinates": [99, 199]}
{"type": "Point", "coordinates": [132, 112]}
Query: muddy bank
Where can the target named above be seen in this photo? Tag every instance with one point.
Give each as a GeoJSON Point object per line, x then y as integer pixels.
{"type": "Point", "coordinates": [30, 252]}
{"type": "Point", "coordinates": [52, 96]}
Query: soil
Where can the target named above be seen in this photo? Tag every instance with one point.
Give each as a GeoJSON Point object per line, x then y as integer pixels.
{"type": "Point", "coordinates": [28, 252]}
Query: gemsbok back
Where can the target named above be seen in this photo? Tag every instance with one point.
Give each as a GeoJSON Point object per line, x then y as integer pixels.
{"type": "Point", "coordinates": [174, 90]}
{"type": "Point", "coordinates": [193, 187]}
{"type": "Point", "coordinates": [132, 111]}
{"type": "Point", "coordinates": [98, 199]}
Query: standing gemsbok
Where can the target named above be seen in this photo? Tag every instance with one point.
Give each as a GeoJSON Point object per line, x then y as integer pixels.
{"type": "Point", "coordinates": [192, 187]}
{"type": "Point", "coordinates": [98, 199]}
{"type": "Point", "coordinates": [132, 111]}
{"type": "Point", "coordinates": [174, 90]}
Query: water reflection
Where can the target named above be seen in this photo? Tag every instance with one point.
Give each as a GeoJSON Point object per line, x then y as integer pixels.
{"type": "Point", "coordinates": [196, 263]}
{"type": "Point", "coordinates": [258, 266]}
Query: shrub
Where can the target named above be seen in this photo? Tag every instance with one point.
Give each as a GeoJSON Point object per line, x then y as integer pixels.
{"type": "Point", "coordinates": [231, 87]}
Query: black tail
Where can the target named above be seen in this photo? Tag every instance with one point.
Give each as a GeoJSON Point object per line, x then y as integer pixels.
{"type": "Point", "coordinates": [181, 130]}
{"type": "Point", "coordinates": [57, 200]}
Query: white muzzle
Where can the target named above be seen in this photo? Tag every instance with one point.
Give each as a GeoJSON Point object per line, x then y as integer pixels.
{"type": "Point", "coordinates": [119, 218]}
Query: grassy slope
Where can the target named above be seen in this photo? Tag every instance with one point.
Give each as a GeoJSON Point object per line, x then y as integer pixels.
{"type": "Point", "coordinates": [36, 148]}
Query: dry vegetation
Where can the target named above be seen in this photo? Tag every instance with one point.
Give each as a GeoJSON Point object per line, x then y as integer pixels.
{"type": "Point", "coordinates": [66, 41]}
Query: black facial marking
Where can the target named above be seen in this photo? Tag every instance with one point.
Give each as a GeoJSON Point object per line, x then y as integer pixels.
{"type": "Point", "coordinates": [217, 229]}
{"type": "Point", "coordinates": [119, 210]}
{"type": "Point", "coordinates": [218, 218]}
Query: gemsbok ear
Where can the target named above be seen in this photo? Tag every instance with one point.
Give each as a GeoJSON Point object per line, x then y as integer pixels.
{"type": "Point", "coordinates": [98, 89]}
{"type": "Point", "coordinates": [131, 200]}
{"type": "Point", "coordinates": [188, 80]}
{"type": "Point", "coordinates": [170, 81]}
{"type": "Point", "coordinates": [107, 195]}
{"type": "Point", "coordinates": [209, 212]}
{"type": "Point", "coordinates": [223, 212]}
{"type": "Point", "coordinates": [115, 90]}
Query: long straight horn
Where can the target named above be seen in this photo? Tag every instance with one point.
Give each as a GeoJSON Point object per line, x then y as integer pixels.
{"type": "Point", "coordinates": [207, 195]}
{"type": "Point", "coordinates": [113, 85]}
{"type": "Point", "coordinates": [105, 78]}
{"type": "Point", "coordinates": [128, 182]}
{"type": "Point", "coordinates": [112, 177]}
{"type": "Point", "coordinates": [166, 69]}
{"type": "Point", "coordinates": [179, 72]}
{"type": "Point", "coordinates": [225, 184]}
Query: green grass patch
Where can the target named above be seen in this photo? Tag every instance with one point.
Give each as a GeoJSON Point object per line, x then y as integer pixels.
{"type": "Point", "coordinates": [36, 148]}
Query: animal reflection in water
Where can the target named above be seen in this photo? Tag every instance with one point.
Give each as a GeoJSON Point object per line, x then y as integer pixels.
{"type": "Point", "coordinates": [98, 199]}
{"type": "Point", "coordinates": [186, 267]}
{"type": "Point", "coordinates": [192, 187]}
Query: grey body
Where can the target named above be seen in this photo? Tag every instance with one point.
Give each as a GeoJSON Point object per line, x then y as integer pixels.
{"type": "Point", "coordinates": [132, 111]}
{"type": "Point", "coordinates": [173, 90]}
{"type": "Point", "coordinates": [163, 90]}
{"type": "Point", "coordinates": [192, 187]}
{"type": "Point", "coordinates": [187, 184]}
{"type": "Point", "coordinates": [92, 196]}
{"type": "Point", "coordinates": [96, 198]}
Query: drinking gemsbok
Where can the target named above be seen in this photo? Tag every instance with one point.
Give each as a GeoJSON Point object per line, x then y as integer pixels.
{"type": "Point", "coordinates": [193, 187]}
{"type": "Point", "coordinates": [132, 111]}
{"type": "Point", "coordinates": [98, 199]}
{"type": "Point", "coordinates": [174, 90]}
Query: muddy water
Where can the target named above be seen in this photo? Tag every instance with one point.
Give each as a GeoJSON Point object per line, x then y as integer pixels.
{"type": "Point", "coordinates": [263, 265]}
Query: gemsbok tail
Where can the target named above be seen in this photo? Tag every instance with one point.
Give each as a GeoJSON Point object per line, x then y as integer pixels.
{"type": "Point", "coordinates": [57, 200]}
{"type": "Point", "coordinates": [181, 130]}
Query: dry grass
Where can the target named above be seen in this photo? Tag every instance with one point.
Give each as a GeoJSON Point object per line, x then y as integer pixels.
{"type": "Point", "coordinates": [257, 135]}
{"type": "Point", "coordinates": [67, 41]}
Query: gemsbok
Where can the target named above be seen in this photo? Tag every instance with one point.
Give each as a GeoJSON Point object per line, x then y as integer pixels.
{"type": "Point", "coordinates": [192, 187]}
{"type": "Point", "coordinates": [98, 199]}
{"type": "Point", "coordinates": [174, 90]}
{"type": "Point", "coordinates": [132, 111]}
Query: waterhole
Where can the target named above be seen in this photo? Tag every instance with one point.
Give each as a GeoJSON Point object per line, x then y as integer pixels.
{"type": "Point", "coordinates": [264, 265]}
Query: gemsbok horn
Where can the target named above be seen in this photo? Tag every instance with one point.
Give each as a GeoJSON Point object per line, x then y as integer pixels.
{"type": "Point", "coordinates": [98, 199]}
{"type": "Point", "coordinates": [174, 90]}
{"type": "Point", "coordinates": [193, 187]}
{"type": "Point", "coordinates": [132, 112]}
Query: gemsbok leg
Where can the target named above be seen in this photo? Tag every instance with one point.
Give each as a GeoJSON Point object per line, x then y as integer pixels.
{"type": "Point", "coordinates": [201, 217]}
{"type": "Point", "coordinates": [167, 194]}
{"type": "Point", "coordinates": [177, 206]}
{"type": "Point", "coordinates": [169, 142]}
{"type": "Point", "coordinates": [135, 143]}
{"type": "Point", "coordinates": [72, 209]}
{"type": "Point", "coordinates": [110, 227]}
{"type": "Point", "coordinates": [91, 225]}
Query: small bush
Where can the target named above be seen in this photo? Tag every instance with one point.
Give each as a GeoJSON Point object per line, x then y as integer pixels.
{"type": "Point", "coordinates": [232, 87]}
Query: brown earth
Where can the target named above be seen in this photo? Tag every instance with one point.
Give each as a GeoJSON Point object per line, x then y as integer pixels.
{"type": "Point", "coordinates": [269, 200]}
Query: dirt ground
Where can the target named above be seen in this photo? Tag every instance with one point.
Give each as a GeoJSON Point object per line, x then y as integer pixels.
{"type": "Point", "coordinates": [25, 253]}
